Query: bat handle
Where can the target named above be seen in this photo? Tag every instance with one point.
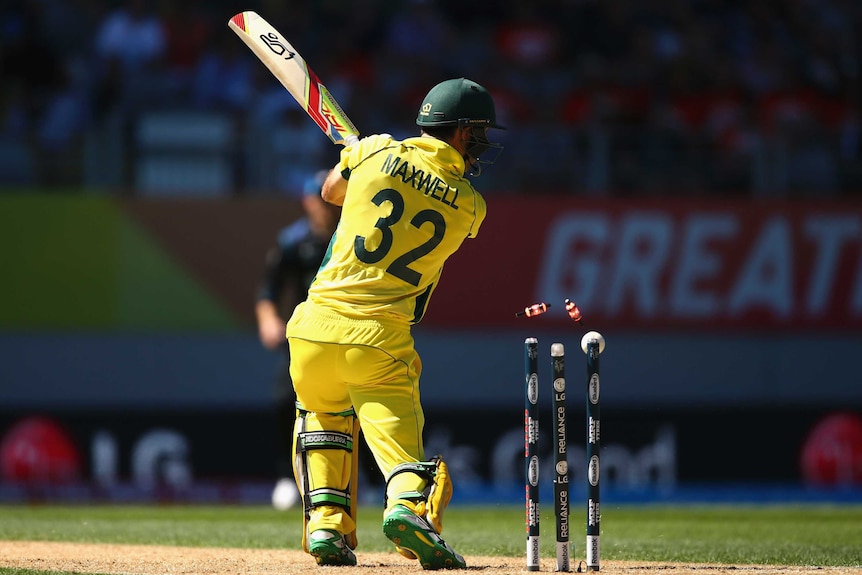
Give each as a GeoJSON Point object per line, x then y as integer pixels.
{"type": "Point", "coordinates": [350, 140]}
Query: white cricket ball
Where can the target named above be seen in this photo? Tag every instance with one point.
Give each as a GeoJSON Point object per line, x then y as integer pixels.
{"type": "Point", "coordinates": [285, 495]}
{"type": "Point", "coordinates": [593, 335]}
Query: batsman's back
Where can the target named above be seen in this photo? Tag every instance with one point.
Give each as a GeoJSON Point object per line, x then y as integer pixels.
{"type": "Point", "coordinates": [407, 209]}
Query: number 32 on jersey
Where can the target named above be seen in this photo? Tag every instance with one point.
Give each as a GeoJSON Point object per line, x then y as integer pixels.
{"type": "Point", "coordinates": [400, 266]}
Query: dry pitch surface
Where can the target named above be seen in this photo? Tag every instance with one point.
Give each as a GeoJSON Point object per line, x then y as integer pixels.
{"type": "Point", "coordinates": [161, 560]}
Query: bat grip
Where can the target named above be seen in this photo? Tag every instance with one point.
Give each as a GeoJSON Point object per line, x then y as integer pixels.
{"type": "Point", "coordinates": [350, 140]}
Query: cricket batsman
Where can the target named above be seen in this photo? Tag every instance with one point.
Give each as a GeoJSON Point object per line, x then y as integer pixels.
{"type": "Point", "coordinates": [406, 207]}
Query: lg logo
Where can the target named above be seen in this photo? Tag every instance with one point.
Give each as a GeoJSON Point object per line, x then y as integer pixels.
{"type": "Point", "coordinates": [158, 457]}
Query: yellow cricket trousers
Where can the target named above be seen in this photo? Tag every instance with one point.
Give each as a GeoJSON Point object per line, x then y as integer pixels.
{"type": "Point", "coordinates": [370, 365]}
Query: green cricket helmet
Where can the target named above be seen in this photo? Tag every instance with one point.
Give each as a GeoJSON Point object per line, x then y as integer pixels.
{"type": "Point", "coordinates": [458, 102]}
{"type": "Point", "coordinates": [463, 103]}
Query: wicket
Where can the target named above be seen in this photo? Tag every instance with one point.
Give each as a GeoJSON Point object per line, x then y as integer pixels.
{"type": "Point", "coordinates": [593, 447]}
{"type": "Point", "coordinates": [561, 477]}
{"type": "Point", "coordinates": [531, 444]}
{"type": "Point", "coordinates": [561, 463]}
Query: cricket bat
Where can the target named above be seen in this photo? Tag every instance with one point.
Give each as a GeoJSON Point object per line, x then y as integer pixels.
{"type": "Point", "coordinates": [285, 63]}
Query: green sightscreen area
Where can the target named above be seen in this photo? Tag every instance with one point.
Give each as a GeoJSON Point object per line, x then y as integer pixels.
{"type": "Point", "coordinates": [78, 262]}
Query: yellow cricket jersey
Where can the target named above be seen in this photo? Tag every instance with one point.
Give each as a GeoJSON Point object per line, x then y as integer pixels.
{"type": "Point", "coordinates": [408, 208]}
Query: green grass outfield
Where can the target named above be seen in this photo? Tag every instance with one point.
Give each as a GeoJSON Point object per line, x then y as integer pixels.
{"type": "Point", "coordinates": [805, 535]}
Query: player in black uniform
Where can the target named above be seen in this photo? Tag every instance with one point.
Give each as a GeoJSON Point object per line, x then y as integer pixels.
{"type": "Point", "coordinates": [290, 267]}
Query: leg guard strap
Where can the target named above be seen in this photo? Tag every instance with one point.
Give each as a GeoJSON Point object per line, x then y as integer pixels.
{"type": "Point", "coordinates": [424, 469]}
{"type": "Point", "coordinates": [432, 501]}
{"type": "Point", "coordinates": [323, 440]}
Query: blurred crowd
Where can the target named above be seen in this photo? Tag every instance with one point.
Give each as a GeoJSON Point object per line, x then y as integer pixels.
{"type": "Point", "coordinates": [601, 97]}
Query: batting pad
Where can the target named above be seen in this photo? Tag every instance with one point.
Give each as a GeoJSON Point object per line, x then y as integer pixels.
{"type": "Point", "coordinates": [327, 471]}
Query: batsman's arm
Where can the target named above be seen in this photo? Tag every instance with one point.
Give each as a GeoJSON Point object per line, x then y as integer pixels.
{"type": "Point", "coordinates": [334, 188]}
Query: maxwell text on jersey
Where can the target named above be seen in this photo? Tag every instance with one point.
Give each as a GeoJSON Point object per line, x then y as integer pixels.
{"type": "Point", "coordinates": [428, 184]}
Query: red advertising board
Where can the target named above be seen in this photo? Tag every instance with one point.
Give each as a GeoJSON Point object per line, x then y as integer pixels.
{"type": "Point", "coordinates": [670, 264]}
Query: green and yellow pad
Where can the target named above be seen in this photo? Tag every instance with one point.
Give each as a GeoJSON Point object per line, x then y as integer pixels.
{"type": "Point", "coordinates": [327, 471]}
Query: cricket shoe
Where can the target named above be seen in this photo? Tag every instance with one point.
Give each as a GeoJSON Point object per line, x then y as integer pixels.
{"type": "Point", "coordinates": [328, 548]}
{"type": "Point", "coordinates": [414, 535]}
